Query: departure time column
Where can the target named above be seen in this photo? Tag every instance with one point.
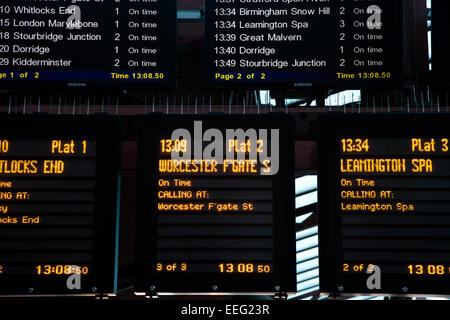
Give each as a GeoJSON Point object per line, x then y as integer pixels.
{"type": "Point", "coordinates": [224, 37]}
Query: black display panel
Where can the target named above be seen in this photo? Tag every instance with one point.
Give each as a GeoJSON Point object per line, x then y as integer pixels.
{"type": "Point", "coordinates": [88, 43]}
{"type": "Point", "coordinates": [214, 221]}
{"type": "Point", "coordinates": [304, 43]}
{"type": "Point", "coordinates": [439, 42]}
{"type": "Point", "coordinates": [384, 201]}
{"type": "Point", "coordinates": [59, 178]}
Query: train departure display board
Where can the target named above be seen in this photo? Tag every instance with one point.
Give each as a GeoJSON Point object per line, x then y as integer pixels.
{"type": "Point", "coordinates": [295, 43]}
{"type": "Point", "coordinates": [384, 203]}
{"type": "Point", "coordinates": [215, 204]}
{"type": "Point", "coordinates": [440, 28]}
{"type": "Point", "coordinates": [58, 205]}
{"type": "Point", "coordinates": [87, 43]}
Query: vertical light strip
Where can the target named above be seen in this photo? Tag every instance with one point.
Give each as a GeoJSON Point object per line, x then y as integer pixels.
{"type": "Point", "coordinates": [307, 240]}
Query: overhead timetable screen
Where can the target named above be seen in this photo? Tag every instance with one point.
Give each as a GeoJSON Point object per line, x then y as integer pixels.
{"type": "Point", "coordinates": [215, 204]}
{"type": "Point", "coordinates": [88, 43]}
{"type": "Point", "coordinates": [57, 206]}
{"type": "Point", "coordinates": [384, 204]}
{"type": "Point", "coordinates": [295, 43]}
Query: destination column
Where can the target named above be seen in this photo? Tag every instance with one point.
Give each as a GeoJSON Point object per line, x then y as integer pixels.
{"type": "Point", "coordinates": [271, 42]}
{"type": "Point", "coordinates": [48, 41]}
